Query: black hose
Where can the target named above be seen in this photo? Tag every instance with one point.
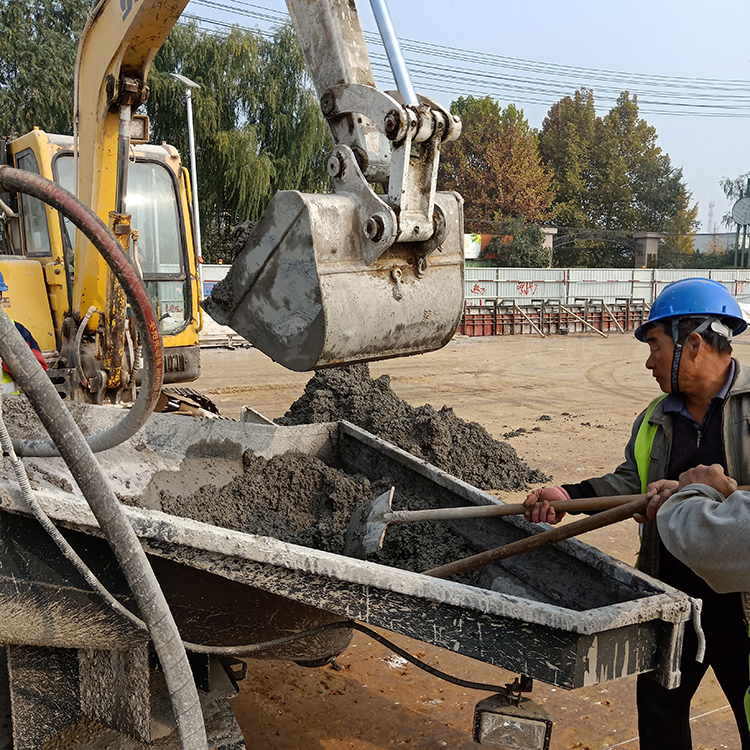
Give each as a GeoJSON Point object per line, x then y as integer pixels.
{"type": "Point", "coordinates": [148, 328]}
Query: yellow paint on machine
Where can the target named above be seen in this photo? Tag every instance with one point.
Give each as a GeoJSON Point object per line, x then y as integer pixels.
{"type": "Point", "coordinates": [26, 300]}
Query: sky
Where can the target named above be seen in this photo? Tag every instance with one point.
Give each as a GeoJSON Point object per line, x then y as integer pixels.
{"type": "Point", "coordinates": [688, 62]}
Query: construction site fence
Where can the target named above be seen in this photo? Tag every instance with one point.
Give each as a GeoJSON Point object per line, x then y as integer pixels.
{"type": "Point", "coordinates": [484, 287]}
{"type": "Point", "coordinates": [547, 301]}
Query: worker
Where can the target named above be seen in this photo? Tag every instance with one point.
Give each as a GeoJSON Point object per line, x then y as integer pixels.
{"type": "Point", "coordinates": [700, 419]}
{"type": "Point", "coordinates": [706, 525]}
{"type": "Point", "coordinates": [9, 385]}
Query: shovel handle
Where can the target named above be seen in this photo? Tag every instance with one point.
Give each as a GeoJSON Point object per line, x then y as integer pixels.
{"type": "Point", "coordinates": [582, 504]}
{"type": "Point", "coordinates": [606, 517]}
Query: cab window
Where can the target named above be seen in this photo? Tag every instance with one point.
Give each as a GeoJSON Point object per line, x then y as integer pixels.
{"type": "Point", "coordinates": [158, 252]}
{"type": "Point", "coordinates": [33, 213]}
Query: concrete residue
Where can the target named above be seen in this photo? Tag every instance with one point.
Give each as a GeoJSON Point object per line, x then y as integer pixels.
{"type": "Point", "coordinates": [464, 449]}
{"type": "Point", "coordinates": [300, 499]}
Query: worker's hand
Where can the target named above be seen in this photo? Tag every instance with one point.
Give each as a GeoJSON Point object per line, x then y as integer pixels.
{"type": "Point", "coordinates": [713, 476]}
{"type": "Point", "coordinates": [656, 493]}
{"type": "Point", "coordinates": [538, 505]}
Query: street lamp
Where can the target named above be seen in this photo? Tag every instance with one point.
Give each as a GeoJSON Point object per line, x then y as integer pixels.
{"type": "Point", "coordinates": [189, 86]}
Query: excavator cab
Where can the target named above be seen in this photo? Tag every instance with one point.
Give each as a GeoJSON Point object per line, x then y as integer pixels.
{"type": "Point", "coordinates": [354, 275]}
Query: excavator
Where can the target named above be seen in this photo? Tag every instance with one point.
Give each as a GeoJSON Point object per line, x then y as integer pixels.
{"type": "Point", "coordinates": [64, 310]}
{"type": "Point", "coordinates": [325, 279]}
{"type": "Point", "coordinates": [122, 624]}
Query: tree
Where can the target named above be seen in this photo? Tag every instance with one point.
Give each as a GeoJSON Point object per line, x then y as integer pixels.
{"type": "Point", "coordinates": [258, 126]}
{"type": "Point", "coordinates": [610, 174]}
{"type": "Point", "coordinates": [566, 145]}
{"type": "Point", "coordinates": [38, 45]}
{"type": "Point", "coordinates": [495, 164]}
{"type": "Point", "coordinates": [517, 245]}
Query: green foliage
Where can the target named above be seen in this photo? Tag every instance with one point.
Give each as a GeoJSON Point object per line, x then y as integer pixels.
{"type": "Point", "coordinates": [495, 164]}
{"type": "Point", "coordinates": [566, 144]}
{"type": "Point", "coordinates": [610, 174]}
{"type": "Point", "coordinates": [517, 245]}
{"type": "Point", "coordinates": [672, 257]}
{"type": "Point", "coordinates": [38, 45]}
{"type": "Point", "coordinates": [594, 253]}
{"type": "Point", "coordinates": [257, 122]}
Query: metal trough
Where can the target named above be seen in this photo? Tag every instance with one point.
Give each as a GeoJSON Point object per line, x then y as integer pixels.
{"type": "Point", "coordinates": [569, 615]}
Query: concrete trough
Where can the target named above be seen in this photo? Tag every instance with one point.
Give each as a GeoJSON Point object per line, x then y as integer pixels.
{"type": "Point", "coordinates": [568, 615]}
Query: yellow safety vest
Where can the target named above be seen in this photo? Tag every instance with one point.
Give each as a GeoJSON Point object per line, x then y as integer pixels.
{"type": "Point", "coordinates": [644, 440]}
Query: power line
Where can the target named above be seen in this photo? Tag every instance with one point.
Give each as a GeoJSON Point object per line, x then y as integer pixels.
{"type": "Point", "coordinates": [661, 95]}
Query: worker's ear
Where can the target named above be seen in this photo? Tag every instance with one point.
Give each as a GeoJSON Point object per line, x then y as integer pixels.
{"type": "Point", "coordinates": [696, 341]}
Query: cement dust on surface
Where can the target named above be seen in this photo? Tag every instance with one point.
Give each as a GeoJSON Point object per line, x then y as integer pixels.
{"type": "Point", "coordinates": [582, 393]}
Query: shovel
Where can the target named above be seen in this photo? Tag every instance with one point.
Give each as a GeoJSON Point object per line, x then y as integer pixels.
{"type": "Point", "coordinates": [605, 518]}
{"type": "Point", "coordinates": [632, 504]}
{"type": "Point", "coordinates": [369, 522]}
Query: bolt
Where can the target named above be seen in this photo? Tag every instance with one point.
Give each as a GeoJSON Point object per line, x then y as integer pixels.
{"type": "Point", "coordinates": [392, 124]}
{"type": "Point", "coordinates": [328, 103]}
{"type": "Point", "coordinates": [335, 166]}
{"type": "Point", "coordinates": [374, 227]}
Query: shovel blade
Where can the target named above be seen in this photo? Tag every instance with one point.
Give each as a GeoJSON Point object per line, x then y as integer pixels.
{"type": "Point", "coordinates": [302, 292]}
{"type": "Point", "coordinates": [367, 527]}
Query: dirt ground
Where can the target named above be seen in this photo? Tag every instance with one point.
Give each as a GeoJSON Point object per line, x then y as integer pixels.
{"type": "Point", "coordinates": [583, 392]}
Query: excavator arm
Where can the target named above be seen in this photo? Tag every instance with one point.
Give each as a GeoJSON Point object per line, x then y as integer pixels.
{"type": "Point", "coordinates": [354, 276]}
{"type": "Point", "coordinates": [117, 47]}
{"type": "Point", "coordinates": [324, 279]}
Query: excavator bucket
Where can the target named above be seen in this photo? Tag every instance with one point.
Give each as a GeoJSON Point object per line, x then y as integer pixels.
{"type": "Point", "coordinates": [304, 292]}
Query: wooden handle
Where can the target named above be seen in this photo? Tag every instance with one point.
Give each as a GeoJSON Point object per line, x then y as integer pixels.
{"type": "Point", "coordinates": [581, 504]}
{"type": "Point", "coordinates": [606, 517]}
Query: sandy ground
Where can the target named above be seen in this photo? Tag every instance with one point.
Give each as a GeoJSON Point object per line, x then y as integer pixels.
{"type": "Point", "coordinates": [591, 388]}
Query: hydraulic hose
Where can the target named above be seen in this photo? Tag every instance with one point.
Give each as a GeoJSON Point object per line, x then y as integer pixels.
{"type": "Point", "coordinates": [148, 328]}
{"type": "Point", "coordinates": [125, 545]}
{"type": "Point", "coordinates": [54, 533]}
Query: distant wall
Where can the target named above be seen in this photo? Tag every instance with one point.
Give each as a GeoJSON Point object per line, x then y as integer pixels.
{"type": "Point", "coordinates": [524, 286]}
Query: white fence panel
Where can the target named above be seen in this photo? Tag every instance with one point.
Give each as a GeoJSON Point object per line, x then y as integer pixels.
{"type": "Point", "coordinates": [742, 286]}
{"type": "Point", "coordinates": [611, 285]}
{"type": "Point", "coordinates": [643, 285]}
{"type": "Point", "coordinates": [606, 284]}
{"type": "Point", "coordinates": [517, 284]}
{"type": "Point", "coordinates": [665, 276]}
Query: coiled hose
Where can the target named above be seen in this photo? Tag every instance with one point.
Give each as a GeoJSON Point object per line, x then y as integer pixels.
{"type": "Point", "coordinates": [96, 231]}
{"type": "Point", "coordinates": [68, 442]}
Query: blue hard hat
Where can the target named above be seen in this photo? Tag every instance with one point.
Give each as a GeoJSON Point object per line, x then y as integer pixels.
{"type": "Point", "coordinates": [695, 298]}
{"type": "Point", "coordinates": [3, 285]}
